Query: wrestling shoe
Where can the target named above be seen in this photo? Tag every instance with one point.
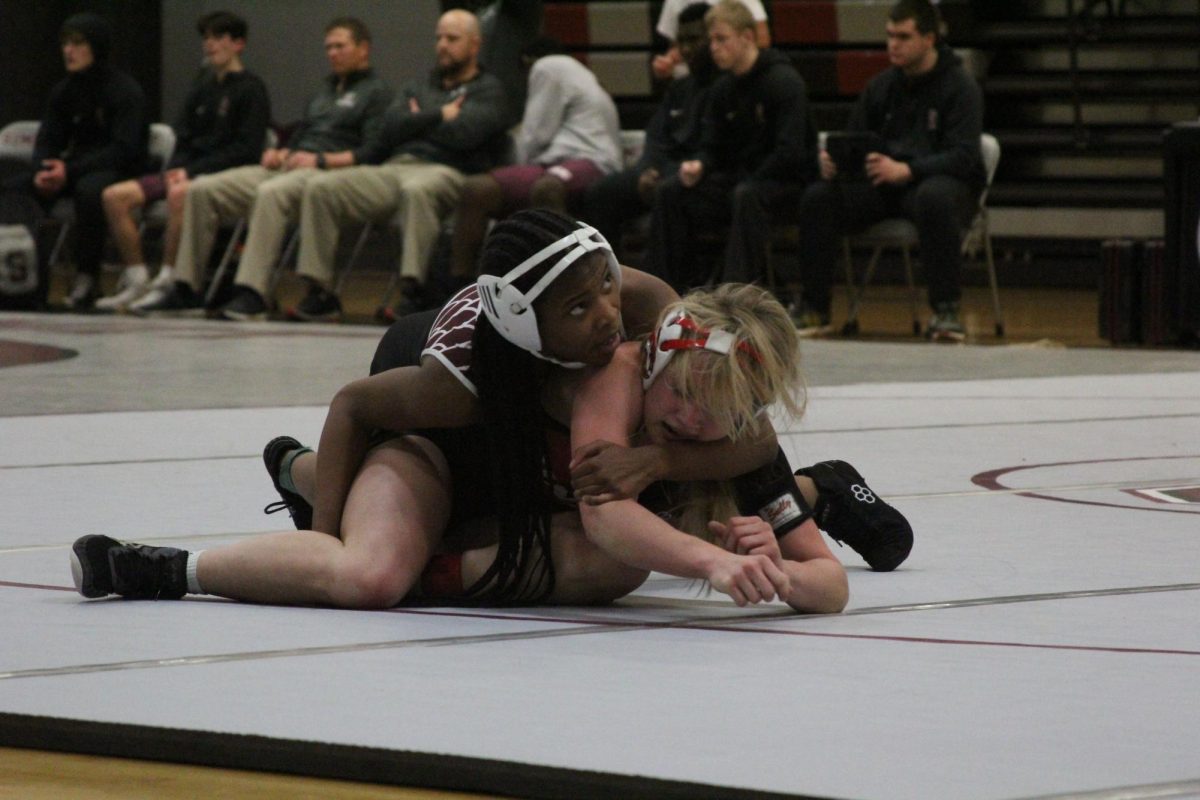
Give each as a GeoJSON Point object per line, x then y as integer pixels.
{"type": "Point", "coordinates": [296, 505]}
{"type": "Point", "coordinates": [850, 512]}
{"type": "Point", "coordinates": [102, 566]}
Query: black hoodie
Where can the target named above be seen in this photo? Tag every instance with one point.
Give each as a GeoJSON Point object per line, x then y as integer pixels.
{"type": "Point", "coordinates": [95, 119]}
{"type": "Point", "coordinates": [757, 125]}
{"type": "Point", "coordinates": [933, 121]}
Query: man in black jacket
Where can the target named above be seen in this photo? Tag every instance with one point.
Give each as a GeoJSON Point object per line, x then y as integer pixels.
{"type": "Point", "coordinates": [672, 136]}
{"type": "Point", "coordinates": [223, 124]}
{"type": "Point", "coordinates": [93, 134]}
{"type": "Point", "coordinates": [928, 112]}
{"type": "Point", "coordinates": [756, 155]}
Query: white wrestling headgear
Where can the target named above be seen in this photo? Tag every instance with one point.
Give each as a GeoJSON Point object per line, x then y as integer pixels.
{"type": "Point", "coordinates": [678, 332]}
{"type": "Point", "coordinates": [511, 311]}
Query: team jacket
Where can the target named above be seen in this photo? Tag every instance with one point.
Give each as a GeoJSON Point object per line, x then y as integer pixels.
{"type": "Point", "coordinates": [223, 123]}
{"type": "Point", "coordinates": [95, 120]}
{"type": "Point", "coordinates": [345, 119]}
{"type": "Point", "coordinates": [757, 125]}
{"type": "Point", "coordinates": [475, 141]}
{"type": "Point", "coordinates": [933, 122]}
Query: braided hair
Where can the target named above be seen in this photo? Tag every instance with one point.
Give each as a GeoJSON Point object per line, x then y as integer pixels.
{"type": "Point", "coordinates": [509, 381]}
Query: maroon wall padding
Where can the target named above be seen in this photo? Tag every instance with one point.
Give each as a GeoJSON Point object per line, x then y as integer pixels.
{"type": "Point", "coordinates": [803, 22]}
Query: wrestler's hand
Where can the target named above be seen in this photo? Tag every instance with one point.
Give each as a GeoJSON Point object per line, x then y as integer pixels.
{"type": "Point", "coordinates": [747, 536]}
{"type": "Point", "coordinates": [602, 471]}
{"type": "Point", "coordinates": [748, 579]}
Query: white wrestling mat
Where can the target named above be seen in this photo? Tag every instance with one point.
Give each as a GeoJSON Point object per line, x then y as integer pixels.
{"type": "Point", "coordinates": [1043, 640]}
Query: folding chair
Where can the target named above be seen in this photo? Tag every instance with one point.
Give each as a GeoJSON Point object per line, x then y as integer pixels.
{"type": "Point", "coordinates": [901, 233]}
{"type": "Point", "coordinates": [17, 140]}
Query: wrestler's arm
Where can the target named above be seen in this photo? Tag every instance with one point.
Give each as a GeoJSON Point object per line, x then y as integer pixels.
{"type": "Point", "coordinates": [817, 579]}
{"type": "Point", "coordinates": [625, 474]}
{"type": "Point", "coordinates": [401, 399]}
{"type": "Point", "coordinates": [609, 406]}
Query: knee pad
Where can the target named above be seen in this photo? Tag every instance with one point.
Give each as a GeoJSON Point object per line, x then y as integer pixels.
{"type": "Point", "coordinates": [771, 493]}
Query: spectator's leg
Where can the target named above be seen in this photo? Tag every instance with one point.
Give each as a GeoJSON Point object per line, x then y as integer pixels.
{"type": "Point", "coordinates": [549, 192]}
{"type": "Point", "coordinates": [481, 200]}
{"type": "Point", "coordinates": [276, 206]}
{"type": "Point", "coordinates": [670, 245]}
{"type": "Point", "coordinates": [941, 207]}
{"type": "Point", "coordinates": [755, 205]}
{"type": "Point", "coordinates": [612, 200]}
{"type": "Point", "coordinates": [120, 200]}
{"type": "Point", "coordinates": [91, 227]}
{"type": "Point", "coordinates": [429, 194]}
{"type": "Point", "coordinates": [211, 199]}
{"type": "Point", "coordinates": [332, 199]}
{"type": "Point", "coordinates": [176, 200]}
{"type": "Point", "coordinates": [828, 211]}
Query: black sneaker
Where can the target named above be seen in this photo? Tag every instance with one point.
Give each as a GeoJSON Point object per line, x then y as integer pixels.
{"type": "Point", "coordinates": [945, 325]}
{"type": "Point", "coordinates": [296, 505]}
{"type": "Point", "coordinates": [101, 566]}
{"type": "Point", "coordinates": [318, 305]}
{"type": "Point", "coordinates": [245, 306]}
{"type": "Point", "coordinates": [180, 299]}
{"type": "Point", "coordinates": [850, 512]}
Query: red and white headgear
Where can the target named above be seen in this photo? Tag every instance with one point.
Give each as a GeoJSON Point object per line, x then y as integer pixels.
{"type": "Point", "coordinates": [678, 332]}
{"type": "Point", "coordinates": [511, 311]}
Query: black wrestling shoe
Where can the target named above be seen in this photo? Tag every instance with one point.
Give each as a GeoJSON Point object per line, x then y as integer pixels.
{"type": "Point", "coordinates": [101, 566]}
{"type": "Point", "coordinates": [849, 511]}
{"type": "Point", "coordinates": [297, 506]}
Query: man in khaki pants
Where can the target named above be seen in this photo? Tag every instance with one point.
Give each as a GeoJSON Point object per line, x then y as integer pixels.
{"type": "Point", "coordinates": [440, 129]}
{"type": "Point", "coordinates": [338, 130]}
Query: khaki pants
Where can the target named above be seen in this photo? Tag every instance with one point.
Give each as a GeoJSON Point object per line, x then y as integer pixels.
{"type": "Point", "coordinates": [415, 194]}
{"type": "Point", "coordinates": [271, 199]}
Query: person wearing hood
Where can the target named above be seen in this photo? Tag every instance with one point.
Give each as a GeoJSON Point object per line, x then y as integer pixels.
{"type": "Point", "coordinates": [94, 133]}
{"type": "Point", "coordinates": [757, 152]}
{"type": "Point", "coordinates": [672, 135]}
{"type": "Point", "coordinates": [928, 113]}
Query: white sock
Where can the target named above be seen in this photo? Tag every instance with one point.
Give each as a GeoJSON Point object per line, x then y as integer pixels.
{"type": "Point", "coordinates": [193, 581]}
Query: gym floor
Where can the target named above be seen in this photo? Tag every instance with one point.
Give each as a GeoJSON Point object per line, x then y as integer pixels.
{"type": "Point", "coordinates": [1039, 642]}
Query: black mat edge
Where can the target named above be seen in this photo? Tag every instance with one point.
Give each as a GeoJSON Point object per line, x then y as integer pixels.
{"type": "Point", "coordinates": [345, 762]}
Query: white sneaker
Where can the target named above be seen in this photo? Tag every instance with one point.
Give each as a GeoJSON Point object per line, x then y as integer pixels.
{"type": "Point", "coordinates": [83, 291]}
{"type": "Point", "coordinates": [165, 277]}
{"type": "Point", "coordinates": [152, 297]}
{"type": "Point", "coordinates": [132, 284]}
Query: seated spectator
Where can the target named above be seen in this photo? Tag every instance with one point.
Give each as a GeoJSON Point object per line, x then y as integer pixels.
{"type": "Point", "coordinates": [673, 63]}
{"type": "Point", "coordinates": [672, 136]}
{"type": "Point", "coordinates": [223, 124]}
{"type": "Point", "coordinates": [569, 138]}
{"type": "Point", "coordinates": [443, 128]}
{"type": "Point", "coordinates": [342, 118]}
{"type": "Point", "coordinates": [929, 114]}
{"type": "Point", "coordinates": [93, 134]}
{"type": "Point", "coordinates": [755, 157]}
